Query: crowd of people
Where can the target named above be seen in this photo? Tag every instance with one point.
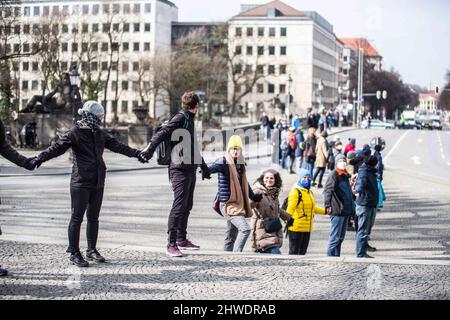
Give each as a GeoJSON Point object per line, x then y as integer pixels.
{"type": "Point", "coordinates": [353, 188]}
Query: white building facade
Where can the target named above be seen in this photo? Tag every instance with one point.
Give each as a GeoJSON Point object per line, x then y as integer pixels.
{"type": "Point", "coordinates": [124, 34]}
{"type": "Point", "coordinates": [284, 41]}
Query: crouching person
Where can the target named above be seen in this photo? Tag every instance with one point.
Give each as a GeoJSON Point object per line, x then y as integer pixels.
{"type": "Point", "coordinates": [234, 194]}
{"type": "Point", "coordinates": [267, 231]}
{"type": "Point", "coordinates": [302, 207]}
{"type": "Point", "coordinates": [88, 141]}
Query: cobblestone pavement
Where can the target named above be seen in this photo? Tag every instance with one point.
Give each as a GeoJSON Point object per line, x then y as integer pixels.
{"type": "Point", "coordinates": [40, 272]}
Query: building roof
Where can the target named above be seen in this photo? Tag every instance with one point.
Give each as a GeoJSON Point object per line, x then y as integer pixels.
{"type": "Point", "coordinates": [282, 10]}
{"type": "Point", "coordinates": [426, 96]}
{"type": "Point", "coordinates": [363, 43]}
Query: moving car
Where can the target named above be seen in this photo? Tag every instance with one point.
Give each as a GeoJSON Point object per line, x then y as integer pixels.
{"type": "Point", "coordinates": [435, 123]}
{"type": "Point", "coordinates": [376, 124]}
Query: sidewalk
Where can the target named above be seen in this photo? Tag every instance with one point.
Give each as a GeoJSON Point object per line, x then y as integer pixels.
{"type": "Point", "coordinates": [117, 162]}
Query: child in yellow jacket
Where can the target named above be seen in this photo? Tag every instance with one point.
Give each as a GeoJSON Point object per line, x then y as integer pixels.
{"type": "Point", "coordinates": [302, 207]}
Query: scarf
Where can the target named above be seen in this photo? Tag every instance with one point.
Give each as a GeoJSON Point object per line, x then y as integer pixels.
{"type": "Point", "coordinates": [89, 121]}
{"type": "Point", "coordinates": [238, 204]}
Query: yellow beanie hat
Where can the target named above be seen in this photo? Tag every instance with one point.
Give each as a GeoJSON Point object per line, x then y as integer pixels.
{"type": "Point", "coordinates": [235, 142]}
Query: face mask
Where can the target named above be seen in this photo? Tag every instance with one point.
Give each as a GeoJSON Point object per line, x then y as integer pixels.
{"type": "Point", "coordinates": [341, 165]}
{"type": "Point", "coordinates": [306, 183]}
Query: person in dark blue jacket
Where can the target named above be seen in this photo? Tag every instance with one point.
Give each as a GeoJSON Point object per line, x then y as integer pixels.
{"type": "Point", "coordinates": [366, 192]}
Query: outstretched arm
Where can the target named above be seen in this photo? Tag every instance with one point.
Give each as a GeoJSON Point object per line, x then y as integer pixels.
{"type": "Point", "coordinates": [8, 152]}
{"type": "Point", "coordinates": [116, 146]}
{"type": "Point", "coordinates": [59, 148]}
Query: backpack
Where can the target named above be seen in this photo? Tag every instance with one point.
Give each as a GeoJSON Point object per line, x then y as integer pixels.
{"type": "Point", "coordinates": [164, 149]}
{"type": "Point", "coordinates": [292, 142]}
{"type": "Point", "coordinates": [285, 202]}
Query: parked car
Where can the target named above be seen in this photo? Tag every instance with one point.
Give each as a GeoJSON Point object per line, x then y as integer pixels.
{"type": "Point", "coordinates": [376, 124]}
{"type": "Point", "coordinates": [435, 123]}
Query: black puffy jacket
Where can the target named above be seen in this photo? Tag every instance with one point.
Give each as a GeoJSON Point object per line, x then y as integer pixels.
{"type": "Point", "coordinates": [88, 169]}
{"type": "Point", "coordinates": [7, 151]}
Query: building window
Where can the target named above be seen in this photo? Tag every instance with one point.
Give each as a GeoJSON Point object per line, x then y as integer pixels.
{"type": "Point", "coordinates": [148, 7]}
{"type": "Point", "coordinates": [126, 27]}
{"type": "Point", "coordinates": [113, 86]}
{"type": "Point", "coordinates": [249, 50]}
{"type": "Point", "coordinates": [238, 50]}
{"type": "Point", "coordinates": [283, 69]}
{"type": "Point", "coordinates": [124, 85]}
{"type": "Point", "coordinates": [124, 66]}
{"type": "Point", "coordinates": [261, 32]}
{"type": "Point", "coordinates": [104, 46]}
{"type": "Point", "coordinates": [76, 9]}
{"type": "Point", "coordinates": [260, 51]}
{"type": "Point", "coordinates": [283, 32]}
{"type": "Point", "coordinates": [125, 46]}
{"type": "Point", "coordinates": [105, 8]}
{"type": "Point", "coordinates": [115, 46]}
{"type": "Point", "coordinates": [55, 29]}
{"type": "Point", "coordinates": [124, 107]}
{"type": "Point", "coordinates": [249, 32]}
{"type": "Point", "coordinates": [146, 46]}
{"type": "Point", "coordinates": [104, 66]}
{"type": "Point", "coordinates": [271, 50]}
{"type": "Point", "coordinates": [63, 66]}
{"type": "Point", "coordinates": [34, 66]}
{"type": "Point", "coordinates": [271, 88]}
{"type": "Point", "coordinates": [55, 10]}
{"type": "Point", "coordinates": [137, 27]}
{"type": "Point", "coordinates": [84, 66]}
{"type": "Point", "coordinates": [146, 66]}
{"type": "Point", "coordinates": [17, 29]}
{"type": "Point", "coordinates": [34, 85]}
{"type": "Point", "coordinates": [126, 8]}
{"type": "Point", "coordinates": [94, 66]}
{"type": "Point", "coordinates": [238, 68]}
{"type": "Point", "coordinates": [26, 28]}
{"type": "Point", "coordinates": [135, 85]}
{"type": "Point", "coordinates": [147, 27]}
{"type": "Point", "coordinates": [25, 66]}
{"type": "Point", "coordinates": [271, 32]}
{"type": "Point", "coordinates": [84, 47]}
{"type": "Point", "coordinates": [135, 66]}
{"type": "Point", "coordinates": [46, 11]}
{"type": "Point", "coordinates": [74, 47]}
{"type": "Point", "coordinates": [95, 27]}
{"type": "Point", "coordinates": [74, 28]}
{"type": "Point", "coordinates": [106, 27]}
{"type": "Point", "coordinates": [94, 46]}
{"type": "Point", "coordinates": [65, 28]}
{"type": "Point", "coordinates": [260, 69]}
{"type": "Point", "coordinates": [84, 28]}
{"type": "Point", "coordinates": [116, 8]}
{"type": "Point", "coordinates": [137, 8]}
{"type": "Point", "coordinates": [85, 9]}
{"type": "Point", "coordinates": [26, 11]}
{"type": "Point", "coordinates": [65, 9]}
{"type": "Point", "coordinates": [36, 11]}
{"type": "Point", "coordinates": [16, 48]}
{"type": "Point", "coordinates": [95, 9]}
{"type": "Point", "coordinates": [64, 47]}
{"type": "Point", "coordinates": [260, 88]}
{"type": "Point", "coordinates": [136, 46]}
{"type": "Point", "coordinates": [282, 88]}
{"type": "Point", "coordinates": [116, 27]}
{"type": "Point", "coordinates": [238, 32]}
{"type": "Point", "coordinates": [283, 51]}
{"type": "Point", "coordinates": [271, 69]}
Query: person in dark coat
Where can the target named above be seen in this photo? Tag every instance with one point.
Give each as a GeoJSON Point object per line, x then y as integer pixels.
{"type": "Point", "coordinates": [88, 141]}
{"type": "Point", "coordinates": [185, 159]}
{"type": "Point", "coordinates": [366, 192]}
{"type": "Point", "coordinates": [12, 155]}
{"type": "Point", "coordinates": [338, 182]}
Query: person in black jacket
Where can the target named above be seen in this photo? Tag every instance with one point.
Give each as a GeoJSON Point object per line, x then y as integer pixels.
{"type": "Point", "coordinates": [12, 155]}
{"type": "Point", "coordinates": [185, 159]}
{"type": "Point", "coordinates": [88, 141]}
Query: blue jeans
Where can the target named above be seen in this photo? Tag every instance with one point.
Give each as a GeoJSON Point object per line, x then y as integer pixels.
{"type": "Point", "coordinates": [238, 231]}
{"type": "Point", "coordinates": [337, 235]}
{"type": "Point", "coordinates": [274, 250]}
{"type": "Point", "coordinates": [365, 216]}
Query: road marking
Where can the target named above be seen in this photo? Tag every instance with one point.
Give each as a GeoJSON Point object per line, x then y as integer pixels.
{"type": "Point", "coordinates": [416, 160]}
{"type": "Point", "coordinates": [395, 146]}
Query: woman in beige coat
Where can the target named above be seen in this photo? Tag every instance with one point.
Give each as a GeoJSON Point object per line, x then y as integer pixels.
{"type": "Point", "coordinates": [321, 158]}
{"type": "Point", "coordinates": [266, 212]}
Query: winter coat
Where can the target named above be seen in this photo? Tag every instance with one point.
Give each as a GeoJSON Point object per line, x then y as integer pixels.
{"type": "Point", "coordinates": [7, 151]}
{"type": "Point", "coordinates": [268, 208]}
{"type": "Point", "coordinates": [349, 148]}
{"type": "Point", "coordinates": [300, 144]}
{"type": "Point", "coordinates": [310, 144]}
{"type": "Point", "coordinates": [220, 166]}
{"type": "Point", "coordinates": [303, 213]}
{"type": "Point", "coordinates": [367, 187]}
{"type": "Point", "coordinates": [321, 152]}
{"type": "Point", "coordinates": [89, 169]}
{"type": "Point", "coordinates": [183, 120]}
{"type": "Point", "coordinates": [380, 165]}
{"type": "Point", "coordinates": [340, 184]}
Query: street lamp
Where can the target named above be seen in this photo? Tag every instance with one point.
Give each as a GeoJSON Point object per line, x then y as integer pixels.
{"type": "Point", "coordinates": [354, 106]}
{"type": "Point", "coordinates": [75, 97]}
{"type": "Point", "coordinates": [289, 96]}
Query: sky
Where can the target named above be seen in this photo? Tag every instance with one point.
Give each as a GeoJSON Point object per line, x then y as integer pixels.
{"type": "Point", "coordinates": [413, 36]}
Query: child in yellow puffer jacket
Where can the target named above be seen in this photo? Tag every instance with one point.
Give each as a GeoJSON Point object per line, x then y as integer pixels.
{"type": "Point", "coordinates": [302, 207]}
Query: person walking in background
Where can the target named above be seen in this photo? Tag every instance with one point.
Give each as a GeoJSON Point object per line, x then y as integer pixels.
{"type": "Point", "coordinates": [19, 160]}
{"type": "Point", "coordinates": [234, 194]}
{"type": "Point", "coordinates": [300, 147]}
{"type": "Point", "coordinates": [267, 234]}
{"type": "Point", "coordinates": [366, 192]}
{"type": "Point", "coordinates": [309, 154]}
{"type": "Point", "coordinates": [321, 158]}
{"type": "Point", "coordinates": [351, 146]}
{"type": "Point", "coordinates": [264, 125]}
{"type": "Point", "coordinates": [338, 185]}
{"type": "Point", "coordinates": [88, 141]}
{"type": "Point", "coordinates": [292, 146]}
{"type": "Point", "coordinates": [380, 171]}
{"type": "Point", "coordinates": [185, 160]}
{"type": "Point", "coordinates": [302, 207]}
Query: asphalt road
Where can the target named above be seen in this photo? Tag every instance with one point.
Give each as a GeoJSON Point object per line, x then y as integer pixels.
{"type": "Point", "coordinates": [413, 224]}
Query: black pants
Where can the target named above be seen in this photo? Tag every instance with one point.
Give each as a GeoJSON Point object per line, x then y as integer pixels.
{"type": "Point", "coordinates": [298, 242]}
{"type": "Point", "coordinates": [84, 200]}
{"type": "Point", "coordinates": [320, 171]}
{"type": "Point", "coordinates": [183, 185]}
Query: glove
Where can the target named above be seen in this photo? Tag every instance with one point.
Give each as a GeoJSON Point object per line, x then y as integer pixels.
{"type": "Point", "coordinates": [32, 163]}
{"type": "Point", "coordinates": [290, 223]}
{"type": "Point", "coordinates": [257, 197]}
{"type": "Point", "coordinates": [206, 174]}
{"type": "Point", "coordinates": [144, 156]}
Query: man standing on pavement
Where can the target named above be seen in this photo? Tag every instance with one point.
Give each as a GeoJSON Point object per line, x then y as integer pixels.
{"type": "Point", "coordinates": [12, 155]}
{"type": "Point", "coordinates": [185, 159]}
{"type": "Point", "coordinates": [366, 192]}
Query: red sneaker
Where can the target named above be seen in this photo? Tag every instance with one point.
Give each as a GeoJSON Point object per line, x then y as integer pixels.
{"type": "Point", "coordinates": [173, 251]}
{"type": "Point", "coordinates": [187, 245]}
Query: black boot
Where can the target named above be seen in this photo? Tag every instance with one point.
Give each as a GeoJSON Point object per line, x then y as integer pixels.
{"type": "Point", "coordinates": [77, 259]}
{"type": "Point", "coordinates": [94, 255]}
{"type": "Point", "coordinates": [370, 248]}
